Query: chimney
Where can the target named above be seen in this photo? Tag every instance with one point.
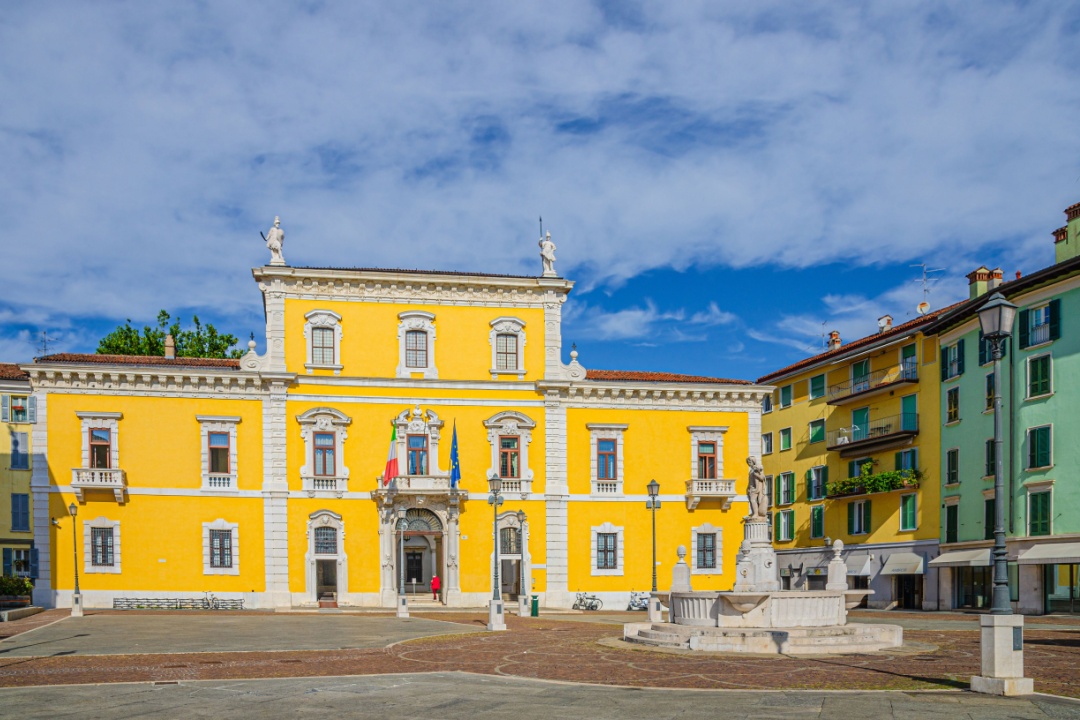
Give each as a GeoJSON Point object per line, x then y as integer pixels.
{"type": "Point", "coordinates": [995, 279]}
{"type": "Point", "coordinates": [834, 340]}
{"type": "Point", "coordinates": [1018, 274]}
{"type": "Point", "coordinates": [884, 323]}
{"type": "Point", "coordinates": [170, 348]}
{"type": "Point", "coordinates": [1067, 239]}
{"type": "Point", "coordinates": [979, 281]}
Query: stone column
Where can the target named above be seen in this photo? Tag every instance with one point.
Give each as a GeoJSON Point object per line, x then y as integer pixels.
{"type": "Point", "coordinates": [556, 498]}
{"type": "Point", "coordinates": [452, 581]}
{"type": "Point", "coordinates": [387, 555]}
{"type": "Point", "coordinates": [276, 494]}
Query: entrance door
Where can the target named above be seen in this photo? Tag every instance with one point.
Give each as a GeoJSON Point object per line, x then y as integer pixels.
{"type": "Point", "coordinates": [414, 569]}
{"type": "Point", "coordinates": [326, 579]}
{"type": "Point", "coordinates": [909, 592]}
{"type": "Point", "coordinates": [510, 576]}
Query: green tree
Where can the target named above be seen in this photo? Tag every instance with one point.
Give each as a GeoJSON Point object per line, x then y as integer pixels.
{"type": "Point", "coordinates": [202, 341]}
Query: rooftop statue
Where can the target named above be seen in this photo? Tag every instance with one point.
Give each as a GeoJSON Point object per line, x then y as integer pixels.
{"type": "Point", "coordinates": [275, 239]}
{"type": "Point", "coordinates": [547, 255]}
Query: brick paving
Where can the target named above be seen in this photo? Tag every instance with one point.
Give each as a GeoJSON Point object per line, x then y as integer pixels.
{"type": "Point", "coordinates": [587, 652]}
{"type": "Point", "coordinates": [16, 627]}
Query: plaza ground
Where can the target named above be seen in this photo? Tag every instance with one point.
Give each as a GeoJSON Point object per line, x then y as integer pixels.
{"type": "Point", "coordinates": [109, 664]}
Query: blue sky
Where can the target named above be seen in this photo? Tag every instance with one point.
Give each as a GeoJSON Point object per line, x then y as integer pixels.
{"type": "Point", "coordinates": [723, 181]}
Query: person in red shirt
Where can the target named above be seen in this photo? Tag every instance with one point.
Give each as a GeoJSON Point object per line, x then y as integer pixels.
{"type": "Point", "coordinates": [435, 585]}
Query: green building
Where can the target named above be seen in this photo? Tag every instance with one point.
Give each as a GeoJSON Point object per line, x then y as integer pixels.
{"type": "Point", "coordinates": [1041, 421]}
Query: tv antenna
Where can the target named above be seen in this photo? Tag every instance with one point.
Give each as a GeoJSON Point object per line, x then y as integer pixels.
{"type": "Point", "coordinates": [43, 343]}
{"type": "Point", "coordinates": [927, 282]}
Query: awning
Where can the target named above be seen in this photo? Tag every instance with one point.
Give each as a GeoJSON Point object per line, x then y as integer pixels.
{"type": "Point", "coordinates": [902, 563]}
{"type": "Point", "coordinates": [1051, 554]}
{"type": "Point", "coordinates": [858, 564]}
{"type": "Point", "coordinates": [963, 558]}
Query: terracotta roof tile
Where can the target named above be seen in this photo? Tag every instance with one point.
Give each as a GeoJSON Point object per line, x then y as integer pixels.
{"type": "Point", "coordinates": [10, 371]}
{"type": "Point", "coordinates": [142, 360]}
{"type": "Point", "coordinates": [637, 376]}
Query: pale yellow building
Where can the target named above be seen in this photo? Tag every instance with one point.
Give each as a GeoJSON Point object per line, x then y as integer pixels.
{"type": "Point", "coordinates": [18, 413]}
{"type": "Point", "coordinates": [261, 479]}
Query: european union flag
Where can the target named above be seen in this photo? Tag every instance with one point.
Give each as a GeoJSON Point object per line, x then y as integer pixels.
{"type": "Point", "coordinates": [455, 466]}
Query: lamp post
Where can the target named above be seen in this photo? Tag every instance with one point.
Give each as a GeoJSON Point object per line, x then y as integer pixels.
{"type": "Point", "coordinates": [403, 602]}
{"type": "Point", "coordinates": [653, 503]}
{"type": "Point", "coordinates": [523, 600]}
{"type": "Point", "coordinates": [1002, 632]}
{"type": "Point", "coordinates": [76, 599]}
{"type": "Point", "coordinates": [496, 620]}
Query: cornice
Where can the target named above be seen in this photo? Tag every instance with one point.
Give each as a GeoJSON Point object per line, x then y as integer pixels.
{"type": "Point", "coordinates": [98, 380]}
{"type": "Point", "coordinates": [655, 396]}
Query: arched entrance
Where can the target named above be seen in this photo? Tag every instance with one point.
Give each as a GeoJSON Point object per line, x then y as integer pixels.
{"type": "Point", "coordinates": [423, 548]}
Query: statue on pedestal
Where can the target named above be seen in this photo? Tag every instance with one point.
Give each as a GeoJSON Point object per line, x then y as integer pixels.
{"type": "Point", "coordinates": [275, 239]}
{"type": "Point", "coordinates": [756, 492]}
{"type": "Point", "coordinates": [547, 255]}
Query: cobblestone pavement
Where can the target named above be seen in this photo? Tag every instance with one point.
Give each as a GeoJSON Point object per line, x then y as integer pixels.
{"type": "Point", "coordinates": [461, 695]}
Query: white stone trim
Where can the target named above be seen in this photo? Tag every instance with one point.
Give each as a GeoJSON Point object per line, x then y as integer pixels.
{"type": "Point", "coordinates": [326, 518]}
{"type": "Point", "coordinates": [948, 500]}
{"type": "Point", "coordinates": [606, 528]}
{"type": "Point", "coordinates": [703, 433]}
{"type": "Point", "coordinates": [101, 420]}
{"type": "Point", "coordinates": [511, 423]}
{"type": "Point", "coordinates": [324, 419]}
{"type": "Point", "coordinates": [422, 321]}
{"type": "Point", "coordinates": [606, 431]}
{"type": "Point", "coordinates": [707, 529]}
{"type": "Point", "coordinates": [220, 524]}
{"type": "Point", "coordinates": [322, 319]}
{"type": "Point", "coordinates": [218, 424]}
{"type": "Point", "coordinates": [419, 422]}
{"type": "Point", "coordinates": [507, 326]}
{"type": "Point", "coordinates": [88, 555]}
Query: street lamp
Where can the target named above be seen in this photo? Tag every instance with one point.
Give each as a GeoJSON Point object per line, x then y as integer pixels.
{"type": "Point", "coordinates": [653, 503]}
{"type": "Point", "coordinates": [76, 599]}
{"type": "Point", "coordinates": [523, 601]}
{"type": "Point", "coordinates": [495, 613]}
{"type": "Point", "coordinates": [1002, 633]}
{"type": "Point", "coordinates": [403, 602]}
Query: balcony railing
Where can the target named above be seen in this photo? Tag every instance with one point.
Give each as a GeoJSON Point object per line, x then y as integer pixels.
{"type": "Point", "coordinates": [83, 479]}
{"type": "Point", "coordinates": [698, 490]}
{"type": "Point", "coordinates": [907, 371]}
{"type": "Point", "coordinates": [606, 487]}
{"type": "Point", "coordinates": [1039, 334]}
{"type": "Point", "coordinates": [875, 483]}
{"type": "Point", "coordinates": [314, 484]}
{"type": "Point", "coordinates": [874, 432]}
{"type": "Point", "coordinates": [219, 482]}
{"type": "Point", "coordinates": [422, 482]}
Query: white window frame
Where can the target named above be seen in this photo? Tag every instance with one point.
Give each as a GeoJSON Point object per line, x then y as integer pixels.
{"type": "Point", "coordinates": [6, 405]}
{"type": "Point", "coordinates": [1045, 488]}
{"type": "Point", "coordinates": [324, 419]}
{"type": "Point", "coordinates": [322, 319]}
{"type": "Point", "coordinates": [218, 424]}
{"type": "Point", "coordinates": [945, 480]}
{"type": "Point", "coordinates": [818, 471]}
{"type": "Point", "coordinates": [810, 432]}
{"type": "Point", "coordinates": [706, 434]}
{"type": "Point", "coordinates": [511, 424]}
{"type": "Point", "coordinates": [88, 550]}
{"type": "Point", "coordinates": [101, 420]}
{"type": "Point", "coordinates": [419, 422]}
{"type": "Point", "coordinates": [953, 390]}
{"type": "Point", "coordinates": [326, 518]}
{"type": "Point", "coordinates": [1027, 454]}
{"type": "Point", "coordinates": [16, 561]}
{"type": "Point", "coordinates": [901, 524]}
{"type": "Point", "coordinates": [507, 326]}
{"type": "Point", "coordinates": [787, 525]}
{"type": "Point", "coordinates": [606, 528]}
{"type": "Point", "coordinates": [766, 400]}
{"type": "Point", "coordinates": [424, 322]}
{"type": "Point", "coordinates": [707, 529]}
{"type": "Point", "coordinates": [606, 431]}
{"type": "Point", "coordinates": [791, 440]}
{"type": "Point", "coordinates": [1027, 367]}
{"type": "Point", "coordinates": [1041, 310]}
{"type": "Point", "coordinates": [860, 515]}
{"type": "Point", "coordinates": [820, 509]}
{"type": "Point", "coordinates": [790, 387]}
{"type": "Point", "coordinates": [786, 477]}
{"type": "Point", "coordinates": [950, 355]}
{"type": "Point", "coordinates": [810, 386]}
{"type": "Point", "coordinates": [766, 439]}
{"type": "Point", "coordinates": [234, 530]}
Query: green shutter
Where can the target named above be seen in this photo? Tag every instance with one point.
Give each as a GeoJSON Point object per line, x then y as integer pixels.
{"type": "Point", "coordinates": [907, 512]}
{"type": "Point", "coordinates": [943, 359]}
{"type": "Point", "coordinates": [866, 516]}
{"type": "Point", "coordinates": [776, 525]}
{"type": "Point", "coordinates": [899, 461]}
{"type": "Point", "coordinates": [1024, 320]}
{"type": "Point", "coordinates": [851, 518]}
{"type": "Point", "coordinates": [1055, 318]}
{"type": "Point", "coordinates": [779, 498]}
{"type": "Point", "coordinates": [983, 354]}
{"type": "Point", "coordinates": [1039, 522]}
{"type": "Point", "coordinates": [988, 519]}
{"type": "Point", "coordinates": [851, 468]}
{"type": "Point", "coordinates": [817, 522]}
{"type": "Point", "coordinates": [825, 479]}
{"type": "Point", "coordinates": [950, 523]}
{"type": "Point", "coordinates": [809, 481]}
{"type": "Point", "coordinates": [960, 357]}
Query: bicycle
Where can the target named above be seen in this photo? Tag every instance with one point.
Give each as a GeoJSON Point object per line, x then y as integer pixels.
{"type": "Point", "coordinates": [210, 602]}
{"type": "Point", "coordinates": [585, 601]}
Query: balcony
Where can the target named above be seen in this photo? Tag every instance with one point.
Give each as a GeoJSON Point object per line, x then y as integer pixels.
{"type": "Point", "coordinates": [606, 487]}
{"type": "Point", "coordinates": [875, 383]}
{"type": "Point", "coordinates": [219, 482]}
{"type": "Point", "coordinates": [875, 483]}
{"type": "Point", "coordinates": [698, 490]}
{"type": "Point", "coordinates": [83, 479]}
{"type": "Point", "coordinates": [327, 484]}
{"type": "Point", "coordinates": [427, 483]}
{"type": "Point", "coordinates": [878, 434]}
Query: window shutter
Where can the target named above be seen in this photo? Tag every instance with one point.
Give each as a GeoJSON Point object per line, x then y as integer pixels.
{"type": "Point", "coordinates": [809, 484]}
{"type": "Point", "coordinates": [866, 516]}
{"type": "Point", "coordinates": [34, 563]}
{"type": "Point", "coordinates": [31, 409]}
{"type": "Point", "coordinates": [776, 526]}
{"type": "Point", "coordinates": [899, 461]}
{"type": "Point", "coordinates": [825, 479]}
{"type": "Point", "coordinates": [1055, 318]}
{"type": "Point", "coordinates": [7, 562]}
{"type": "Point", "coordinates": [982, 349]}
{"type": "Point", "coordinates": [779, 489]}
{"type": "Point", "coordinates": [960, 356]}
{"type": "Point", "coordinates": [5, 412]}
{"type": "Point", "coordinates": [851, 468]}
{"type": "Point", "coordinates": [851, 518]}
{"type": "Point", "coordinates": [1024, 314]}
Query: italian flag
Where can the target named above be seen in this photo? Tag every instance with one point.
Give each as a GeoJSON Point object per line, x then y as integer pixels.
{"type": "Point", "coordinates": [391, 471]}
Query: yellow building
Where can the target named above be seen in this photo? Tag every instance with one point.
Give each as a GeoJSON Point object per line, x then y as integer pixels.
{"type": "Point", "coordinates": [18, 413]}
{"type": "Point", "coordinates": [262, 478]}
{"type": "Point", "coordinates": [850, 443]}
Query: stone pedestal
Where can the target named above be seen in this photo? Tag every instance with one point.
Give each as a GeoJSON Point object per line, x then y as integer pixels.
{"type": "Point", "coordinates": [837, 569]}
{"type": "Point", "coordinates": [755, 565]}
{"type": "Point", "coordinates": [76, 605]}
{"type": "Point", "coordinates": [1002, 657]}
{"type": "Point", "coordinates": [680, 574]}
{"type": "Point", "coordinates": [656, 610]}
{"type": "Point", "coordinates": [402, 606]}
{"type": "Point", "coordinates": [523, 605]}
{"type": "Point", "coordinates": [496, 619]}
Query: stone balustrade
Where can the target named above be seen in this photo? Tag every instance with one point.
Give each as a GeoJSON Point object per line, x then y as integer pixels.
{"type": "Point", "coordinates": [83, 479]}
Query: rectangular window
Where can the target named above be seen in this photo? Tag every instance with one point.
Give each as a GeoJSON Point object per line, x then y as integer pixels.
{"type": "Point", "coordinates": [766, 444]}
{"type": "Point", "coordinates": [952, 514]}
{"type": "Point", "coordinates": [785, 439]}
{"type": "Point", "coordinates": [706, 461]}
{"type": "Point", "coordinates": [20, 512]}
{"type": "Point", "coordinates": [509, 541]}
{"type": "Point", "coordinates": [101, 547]}
{"type": "Point", "coordinates": [817, 431]}
{"type": "Point", "coordinates": [20, 563]}
{"type": "Point", "coordinates": [607, 551]}
{"type": "Point", "coordinates": [855, 466]}
{"type": "Point", "coordinates": [860, 376]}
{"type": "Point", "coordinates": [990, 391]}
{"type": "Point", "coordinates": [859, 517]}
{"type": "Point", "coordinates": [952, 405]}
{"type": "Point", "coordinates": [785, 491]}
{"type": "Point", "coordinates": [909, 366]}
{"type": "Point", "coordinates": [325, 464]}
{"type": "Point", "coordinates": [816, 481]}
{"type": "Point", "coordinates": [817, 521]}
{"type": "Point", "coordinates": [417, 446]}
{"type": "Point", "coordinates": [769, 489]}
{"type": "Point", "coordinates": [19, 411]}
{"type": "Point", "coordinates": [325, 541]}
{"type": "Point", "coordinates": [322, 346]}
{"type": "Point", "coordinates": [605, 460]}
{"type": "Point", "coordinates": [100, 448]}
{"type": "Point", "coordinates": [706, 551]}
{"type": "Point", "coordinates": [952, 467]}
{"type": "Point", "coordinates": [952, 360]}
{"type": "Point", "coordinates": [785, 396]}
{"type": "Point", "coordinates": [1039, 455]}
{"type": "Point", "coordinates": [218, 449]}
{"type": "Point", "coordinates": [907, 459]}
{"type": "Point", "coordinates": [506, 351]}
{"type": "Point", "coordinates": [509, 456]}
{"type": "Point", "coordinates": [785, 525]}
{"type": "Point", "coordinates": [1039, 513]}
{"type": "Point", "coordinates": [1038, 325]}
{"type": "Point", "coordinates": [766, 404]}
{"type": "Point", "coordinates": [20, 455]}
{"type": "Point", "coordinates": [908, 512]}
{"type": "Point", "coordinates": [989, 454]}
{"type": "Point", "coordinates": [1039, 376]}
{"type": "Point", "coordinates": [989, 520]}
{"type": "Point", "coordinates": [416, 349]}
{"type": "Point", "coordinates": [221, 549]}
{"type": "Point", "coordinates": [817, 387]}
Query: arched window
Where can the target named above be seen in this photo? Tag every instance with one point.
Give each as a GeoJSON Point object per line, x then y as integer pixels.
{"type": "Point", "coordinates": [510, 541]}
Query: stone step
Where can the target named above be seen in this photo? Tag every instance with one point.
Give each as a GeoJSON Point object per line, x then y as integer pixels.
{"type": "Point", "coordinates": [658, 642]}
